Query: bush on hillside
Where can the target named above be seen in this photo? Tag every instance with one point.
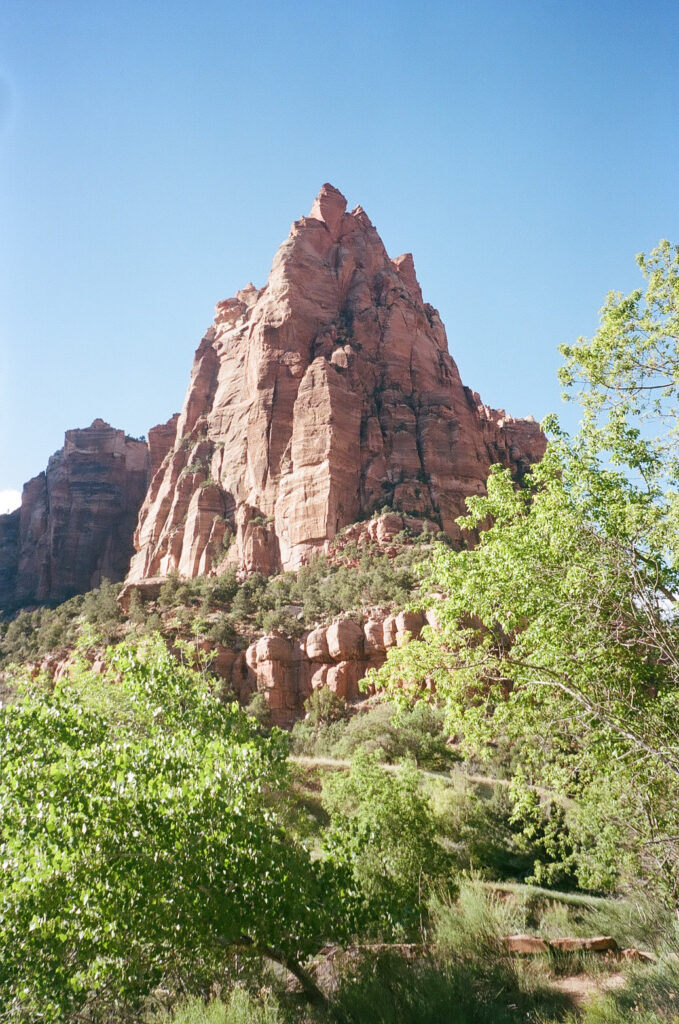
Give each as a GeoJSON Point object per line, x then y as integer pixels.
{"type": "Point", "coordinates": [383, 831]}
{"type": "Point", "coordinates": [417, 733]}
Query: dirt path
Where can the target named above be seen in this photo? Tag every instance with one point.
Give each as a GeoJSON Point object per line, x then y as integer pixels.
{"type": "Point", "coordinates": [580, 988]}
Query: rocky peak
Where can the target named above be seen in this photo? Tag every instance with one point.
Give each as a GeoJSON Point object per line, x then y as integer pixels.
{"type": "Point", "coordinates": [314, 401]}
{"type": "Point", "coordinates": [329, 206]}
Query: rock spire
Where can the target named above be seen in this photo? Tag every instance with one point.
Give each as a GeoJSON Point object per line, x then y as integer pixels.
{"type": "Point", "coordinates": [315, 401]}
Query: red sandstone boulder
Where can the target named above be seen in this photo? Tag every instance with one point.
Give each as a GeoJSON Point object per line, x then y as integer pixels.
{"type": "Point", "coordinates": [373, 631]}
{"type": "Point", "coordinates": [316, 645]}
{"type": "Point", "coordinates": [345, 640]}
{"type": "Point", "coordinates": [598, 944]}
{"type": "Point", "coordinates": [408, 626]}
{"type": "Point", "coordinates": [319, 676]}
{"type": "Point", "coordinates": [343, 679]}
{"type": "Point", "coordinates": [389, 632]}
{"type": "Point", "coordinates": [526, 944]}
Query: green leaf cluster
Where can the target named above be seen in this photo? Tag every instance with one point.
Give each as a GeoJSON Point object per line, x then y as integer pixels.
{"type": "Point", "coordinates": [559, 632]}
{"type": "Point", "coordinates": [139, 843]}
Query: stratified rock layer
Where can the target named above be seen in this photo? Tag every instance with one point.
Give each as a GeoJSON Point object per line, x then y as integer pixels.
{"type": "Point", "coordinates": [314, 401]}
{"type": "Point", "coordinates": [76, 520]}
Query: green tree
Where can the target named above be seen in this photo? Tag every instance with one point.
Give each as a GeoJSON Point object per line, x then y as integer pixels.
{"type": "Point", "coordinates": [383, 830]}
{"type": "Point", "coordinates": [139, 844]}
{"type": "Point", "coordinates": [558, 628]}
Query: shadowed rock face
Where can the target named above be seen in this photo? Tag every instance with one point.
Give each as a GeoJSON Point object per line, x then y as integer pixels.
{"type": "Point", "coordinates": [76, 520]}
{"type": "Point", "coordinates": [314, 401]}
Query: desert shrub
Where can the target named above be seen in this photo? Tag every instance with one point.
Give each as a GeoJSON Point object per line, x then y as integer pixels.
{"type": "Point", "coordinates": [31, 635]}
{"type": "Point", "coordinates": [323, 725]}
{"type": "Point", "coordinates": [324, 707]}
{"type": "Point", "coordinates": [153, 623]}
{"type": "Point", "coordinates": [200, 625]}
{"type": "Point", "coordinates": [21, 639]}
{"type": "Point", "coordinates": [168, 596]}
{"type": "Point", "coordinates": [417, 733]}
{"type": "Point", "coordinates": [259, 709]}
{"type": "Point", "coordinates": [225, 587]}
{"type": "Point", "coordinates": [136, 612]}
{"type": "Point", "coordinates": [100, 607]}
{"type": "Point", "coordinates": [477, 824]}
{"type": "Point", "coordinates": [282, 622]}
{"type": "Point", "coordinates": [249, 598]}
{"type": "Point", "coordinates": [223, 631]}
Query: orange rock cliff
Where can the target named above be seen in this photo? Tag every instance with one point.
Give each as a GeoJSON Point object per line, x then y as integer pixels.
{"type": "Point", "coordinates": [313, 402]}
{"type": "Point", "coordinates": [76, 520]}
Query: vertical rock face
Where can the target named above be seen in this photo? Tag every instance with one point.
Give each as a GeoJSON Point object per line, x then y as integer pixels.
{"type": "Point", "coordinates": [76, 520]}
{"type": "Point", "coordinates": [314, 401]}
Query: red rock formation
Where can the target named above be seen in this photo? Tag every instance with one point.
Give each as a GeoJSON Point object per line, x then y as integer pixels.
{"type": "Point", "coordinates": [161, 440]}
{"type": "Point", "coordinates": [76, 520]}
{"type": "Point", "coordinates": [314, 401]}
{"type": "Point", "coordinates": [338, 656]}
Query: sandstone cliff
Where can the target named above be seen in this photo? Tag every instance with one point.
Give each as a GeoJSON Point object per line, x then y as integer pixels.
{"type": "Point", "coordinates": [314, 401]}
{"type": "Point", "coordinates": [76, 520]}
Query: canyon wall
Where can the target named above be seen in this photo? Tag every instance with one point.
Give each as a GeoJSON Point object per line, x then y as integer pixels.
{"type": "Point", "coordinates": [76, 520]}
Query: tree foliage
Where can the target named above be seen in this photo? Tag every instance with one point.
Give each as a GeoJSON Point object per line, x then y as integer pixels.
{"type": "Point", "coordinates": [138, 843]}
{"type": "Point", "coordinates": [383, 830]}
{"type": "Point", "coordinates": [558, 628]}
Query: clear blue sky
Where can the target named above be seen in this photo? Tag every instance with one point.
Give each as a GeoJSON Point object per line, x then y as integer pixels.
{"type": "Point", "coordinates": [154, 153]}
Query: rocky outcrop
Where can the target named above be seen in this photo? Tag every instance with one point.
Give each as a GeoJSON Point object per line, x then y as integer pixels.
{"type": "Point", "coordinates": [161, 440]}
{"type": "Point", "coordinates": [338, 656]}
{"type": "Point", "coordinates": [76, 520]}
{"type": "Point", "coordinates": [313, 402]}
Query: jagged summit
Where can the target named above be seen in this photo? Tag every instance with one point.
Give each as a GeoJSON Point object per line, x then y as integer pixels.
{"type": "Point", "coordinates": [329, 206]}
{"type": "Point", "coordinates": [314, 401]}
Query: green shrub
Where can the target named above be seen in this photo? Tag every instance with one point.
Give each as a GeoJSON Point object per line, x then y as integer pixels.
{"type": "Point", "coordinates": [200, 625]}
{"type": "Point", "coordinates": [167, 597]}
{"type": "Point", "coordinates": [323, 725]}
{"type": "Point", "coordinates": [418, 733]}
{"type": "Point", "coordinates": [223, 631]}
{"type": "Point", "coordinates": [31, 635]}
{"type": "Point", "coordinates": [153, 623]}
{"type": "Point", "coordinates": [259, 709]}
{"type": "Point", "coordinates": [281, 622]}
{"type": "Point", "coordinates": [225, 587]}
{"type": "Point", "coordinates": [100, 607]}
{"type": "Point", "coordinates": [383, 831]}
{"type": "Point", "coordinates": [136, 612]}
{"type": "Point", "coordinates": [248, 599]}
{"type": "Point", "coordinates": [477, 823]}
